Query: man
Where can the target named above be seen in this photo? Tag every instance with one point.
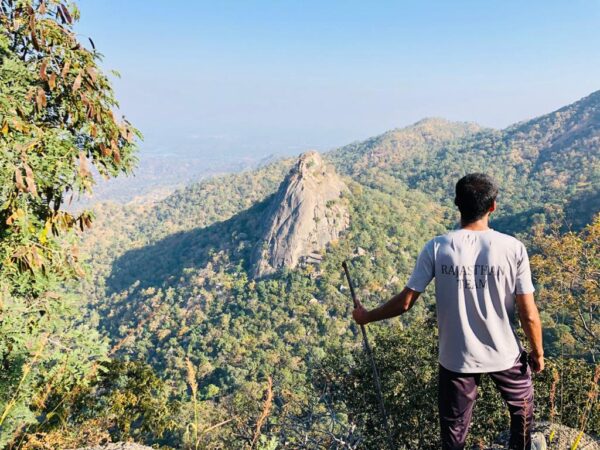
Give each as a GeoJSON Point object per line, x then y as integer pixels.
{"type": "Point", "coordinates": [480, 274]}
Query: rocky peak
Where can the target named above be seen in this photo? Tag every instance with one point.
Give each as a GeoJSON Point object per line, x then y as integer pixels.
{"type": "Point", "coordinates": [305, 214]}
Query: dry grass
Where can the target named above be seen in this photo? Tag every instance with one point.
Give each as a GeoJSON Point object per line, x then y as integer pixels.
{"type": "Point", "coordinates": [592, 396]}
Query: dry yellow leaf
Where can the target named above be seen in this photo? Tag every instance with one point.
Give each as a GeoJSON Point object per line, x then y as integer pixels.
{"type": "Point", "coordinates": [52, 81]}
{"type": "Point", "coordinates": [77, 83]}
{"type": "Point", "coordinates": [65, 69]}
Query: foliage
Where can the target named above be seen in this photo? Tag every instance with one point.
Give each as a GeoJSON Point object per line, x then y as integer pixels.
{"type": "Point", "coordinates": [567, 270]}
{"type": "Point", "coordinates": [407, 361]}
{"type": "Point", "coordinates": [56, 123]}
{"type": "Point", "coordinates": [407, 358]}
{"type": "Point", "coordinates": [126, 401]}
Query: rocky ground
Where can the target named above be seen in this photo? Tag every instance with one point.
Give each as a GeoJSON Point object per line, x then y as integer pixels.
{"type": "Point", "coordinates": [118, 446]}
{"type": "Point", "coordinates": [563, 438]}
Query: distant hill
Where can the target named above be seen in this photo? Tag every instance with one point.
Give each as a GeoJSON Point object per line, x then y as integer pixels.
{"type": "Point", "coordinates": [546, 161]}
{"type": "Point", "coordinates": [391, 150]}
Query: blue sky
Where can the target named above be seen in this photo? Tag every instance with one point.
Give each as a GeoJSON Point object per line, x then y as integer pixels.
{"type": "Point", "coordinates": [260, 77]}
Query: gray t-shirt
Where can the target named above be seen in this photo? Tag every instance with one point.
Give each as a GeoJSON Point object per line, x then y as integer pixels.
{"type": "Point", "coordinates": [477, 275]}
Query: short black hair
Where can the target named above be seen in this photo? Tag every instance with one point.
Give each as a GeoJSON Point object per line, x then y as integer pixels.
{"type": "Point", "coordinates": [475, 194]}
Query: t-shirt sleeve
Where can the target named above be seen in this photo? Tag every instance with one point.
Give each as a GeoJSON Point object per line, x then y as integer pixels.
{"type": "Point", "coordinates": [424, 269]}
{"type": "Point", "coordinates": [524, 284]}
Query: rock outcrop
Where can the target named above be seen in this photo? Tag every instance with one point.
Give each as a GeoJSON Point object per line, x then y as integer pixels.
{"type": "Point", "coordinates": [307, 212]}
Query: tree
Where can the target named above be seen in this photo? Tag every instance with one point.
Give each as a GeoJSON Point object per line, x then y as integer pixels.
{"type": "Point", "coordinates": [57, 122]}
{"type": "Point", "coordinates": [567, 270]}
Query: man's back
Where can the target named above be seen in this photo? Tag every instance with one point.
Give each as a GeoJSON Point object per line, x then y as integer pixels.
{"type": "Point", "coordinates": [477, 274]}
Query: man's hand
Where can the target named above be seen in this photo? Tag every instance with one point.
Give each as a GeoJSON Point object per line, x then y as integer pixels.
{"type": "Point", "coordinates": [360, 314]}
{"type": "Point", "coordinates": [536, 361]}
{"type": "Point", "coordinates": [398, 304]}
{"type": "Point", "coordinates": [532, 325]}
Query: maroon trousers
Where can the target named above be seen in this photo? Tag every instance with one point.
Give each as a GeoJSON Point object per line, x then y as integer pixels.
{"type": "Point", "coordinates": [457, 394]}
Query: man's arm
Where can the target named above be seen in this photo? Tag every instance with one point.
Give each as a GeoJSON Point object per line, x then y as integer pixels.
{"type": "Point", "coordinates": [532, 325]}
{"type": "Point", "coordinates": [398, 304]}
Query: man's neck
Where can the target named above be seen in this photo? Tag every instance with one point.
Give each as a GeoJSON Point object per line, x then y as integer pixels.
{"type": "Point", "coordinates": [479, 225]}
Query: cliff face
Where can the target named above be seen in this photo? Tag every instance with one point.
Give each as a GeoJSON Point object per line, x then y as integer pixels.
{"type": "Point", "coordinates": [305, 214]}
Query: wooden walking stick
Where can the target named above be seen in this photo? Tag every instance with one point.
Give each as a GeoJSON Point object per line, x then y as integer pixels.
{"type": "Point", "coordinates": [384, 419]}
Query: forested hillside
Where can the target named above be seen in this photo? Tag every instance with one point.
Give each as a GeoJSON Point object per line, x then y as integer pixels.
{"type": "Point", "coordinates": [547, 161]}
{"type": "Point", "coordinates": [191, 291]}
{"type": "Point", "coordinates": [172, 284]}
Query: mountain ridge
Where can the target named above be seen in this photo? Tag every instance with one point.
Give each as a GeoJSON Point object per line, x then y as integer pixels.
{"type": "Point", "coordinates": [548, 161]}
